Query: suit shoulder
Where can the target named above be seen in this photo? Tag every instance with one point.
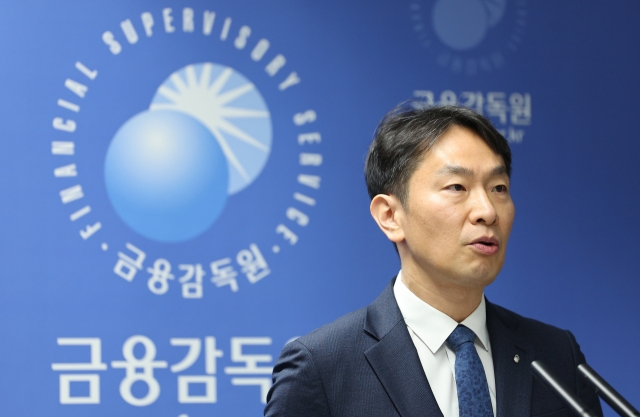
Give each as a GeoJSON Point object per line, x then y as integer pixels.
{"type": "Point", "coordinates": [343, 331]}
{"type": "Point", "coordinates": [513, 319]}
{"type": "Point", "coordinates": [538, 332]}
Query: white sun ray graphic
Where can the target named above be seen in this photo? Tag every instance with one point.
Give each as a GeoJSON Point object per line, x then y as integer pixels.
{"type": "Point", "coordinates": [231, 108]}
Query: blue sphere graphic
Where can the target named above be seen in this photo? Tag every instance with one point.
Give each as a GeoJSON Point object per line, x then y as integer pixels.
{"type": "Point", "coordinates": [461, 24]}
{"type": "Point", "coordinates": [166, 175]}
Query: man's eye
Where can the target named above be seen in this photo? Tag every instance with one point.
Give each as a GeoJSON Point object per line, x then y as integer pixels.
{"type": "Point", "coordinates": [456, 187]}
{"type": "Point", "coordinates": [501, 188]}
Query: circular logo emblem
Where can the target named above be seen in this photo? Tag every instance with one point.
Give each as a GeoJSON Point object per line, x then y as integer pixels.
{"type": "Point", "coordinates": [167, 186]}
{"type": "Point", "coordinates": [470, 36]}
{"type": "Point", "coordinates": [207, 135]}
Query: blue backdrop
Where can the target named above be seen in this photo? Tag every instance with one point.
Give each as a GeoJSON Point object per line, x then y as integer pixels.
{"type": "Point", "coordinates": [246, 123]}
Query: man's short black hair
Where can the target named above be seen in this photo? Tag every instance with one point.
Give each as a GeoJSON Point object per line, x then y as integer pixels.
{"type": "Point", "coordinates": [408, 131]}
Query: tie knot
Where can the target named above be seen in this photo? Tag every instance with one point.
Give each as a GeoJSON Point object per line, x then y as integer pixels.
{"type": "Point", "coordinates": [460, 336]}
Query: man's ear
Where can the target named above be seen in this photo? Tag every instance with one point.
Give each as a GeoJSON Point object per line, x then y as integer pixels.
{"type": "Point", "coordinates": [388, 212]}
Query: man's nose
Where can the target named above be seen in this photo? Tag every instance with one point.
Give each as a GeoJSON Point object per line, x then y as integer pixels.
{"type": "Point", "coordinates": [482, 208]}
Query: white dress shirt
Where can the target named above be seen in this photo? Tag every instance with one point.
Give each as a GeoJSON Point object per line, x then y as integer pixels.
{"type": "Point", "coordinates": [429, 329]}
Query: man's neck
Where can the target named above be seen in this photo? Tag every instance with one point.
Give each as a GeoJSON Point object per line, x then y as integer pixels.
{"type": "Point", "coordinates": [455, 301]}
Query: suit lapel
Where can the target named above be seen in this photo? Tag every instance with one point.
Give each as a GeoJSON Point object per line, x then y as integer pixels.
{"type": "Point", "coordinates": [513, 376]}
{"type": "Point", "coordinates": [395, 360]}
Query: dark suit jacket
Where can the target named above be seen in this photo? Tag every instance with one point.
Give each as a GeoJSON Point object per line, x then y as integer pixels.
{"type": "Point", "coordinates": [365, 364]}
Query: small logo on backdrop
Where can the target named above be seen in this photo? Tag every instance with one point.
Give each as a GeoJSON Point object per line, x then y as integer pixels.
{"type": "Point", "coordinates": [172, 168]}
{"type": "Point", "coordinates": [469, 36]}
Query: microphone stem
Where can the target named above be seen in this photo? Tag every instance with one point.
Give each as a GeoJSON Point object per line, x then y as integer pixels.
{"type": "Point", "coordinates": [606, 391]}
{"type": "Point", "coordinates": [541, 370]}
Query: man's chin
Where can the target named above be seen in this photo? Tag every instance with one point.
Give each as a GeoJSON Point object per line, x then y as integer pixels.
{"type": "Point", "coordinates": [479, 278]}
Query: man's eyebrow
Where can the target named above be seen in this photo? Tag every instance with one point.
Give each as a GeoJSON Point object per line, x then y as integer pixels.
{"type": "Point", "coordinates": [499, 170]}
{"type": "Point", "coordinates": [466, 172]}
{"type": "Point", "coordinates": [455, 170]}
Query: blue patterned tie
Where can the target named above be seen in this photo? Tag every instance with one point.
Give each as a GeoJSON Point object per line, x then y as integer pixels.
{"type": "Point", "coordinates": [471, 382]}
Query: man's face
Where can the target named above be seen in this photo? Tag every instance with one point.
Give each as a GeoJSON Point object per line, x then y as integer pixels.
{"type": "Point", "coordinates": [458, 214]}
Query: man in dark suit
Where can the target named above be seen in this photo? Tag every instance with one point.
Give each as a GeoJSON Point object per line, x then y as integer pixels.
{"type": "Point", "coordinates": [431, 344]}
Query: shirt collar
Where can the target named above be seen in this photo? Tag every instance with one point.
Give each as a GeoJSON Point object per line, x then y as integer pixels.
{"type": "Point", "coordinates": [432, 326]}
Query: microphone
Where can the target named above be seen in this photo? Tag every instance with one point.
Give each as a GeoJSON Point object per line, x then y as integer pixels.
{"type": "Point", "coordinates": [578, 407]}
{"type": "Point", "coordinates": [606, 391]}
